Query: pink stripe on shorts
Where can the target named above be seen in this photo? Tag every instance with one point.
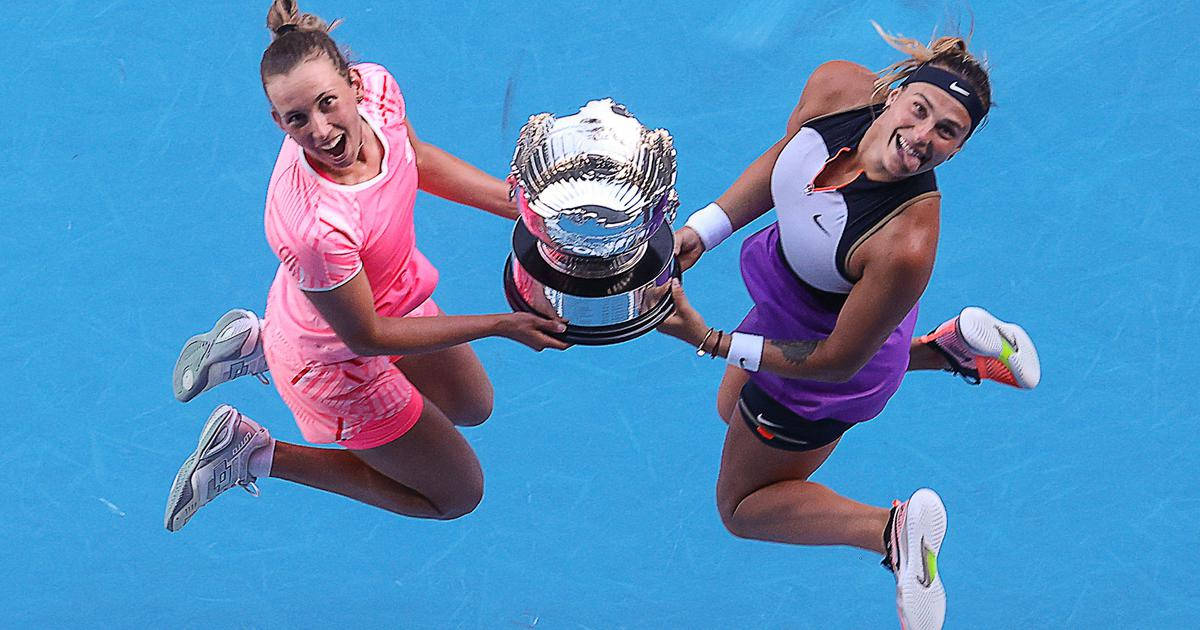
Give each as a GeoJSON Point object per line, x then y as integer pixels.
{"type": "Point", "coordinates": [359, 403]}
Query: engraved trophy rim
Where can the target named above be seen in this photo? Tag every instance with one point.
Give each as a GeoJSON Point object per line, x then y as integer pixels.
{"type": "Point", "coordinates": [603, 165]}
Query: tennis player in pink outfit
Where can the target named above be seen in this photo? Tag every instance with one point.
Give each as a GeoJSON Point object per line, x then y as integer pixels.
{"type": "Point", "coordinates": [358, 349]}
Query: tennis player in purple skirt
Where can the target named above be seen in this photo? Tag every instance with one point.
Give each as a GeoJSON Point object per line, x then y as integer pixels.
{"type": "Point", "coordinates": [835, 283]}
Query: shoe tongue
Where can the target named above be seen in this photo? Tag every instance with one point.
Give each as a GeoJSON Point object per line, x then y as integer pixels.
{"type": "Point", "coordinates": [890, 560]}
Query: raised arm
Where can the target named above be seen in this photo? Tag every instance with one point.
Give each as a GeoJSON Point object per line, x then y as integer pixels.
{"type": "Point", "coordinates": [451, 178]}
{"type": "Point", "coordinates": [834, 86]}
{"type": "Point", "coordinates": [350, 311]}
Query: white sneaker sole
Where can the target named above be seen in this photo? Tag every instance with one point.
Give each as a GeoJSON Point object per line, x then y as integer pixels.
{"type": "Point", "coordinates": [990, 336]}
{"type": "Point", "coordinates": [216, 356]}
{"type": "Point", "coordinates": [922, 606]}
{"type": "Point", "coordinates": [182, 502]}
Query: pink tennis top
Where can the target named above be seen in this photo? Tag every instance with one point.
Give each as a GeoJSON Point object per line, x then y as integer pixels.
{"type": "Point", "coordinates": [324, 233]}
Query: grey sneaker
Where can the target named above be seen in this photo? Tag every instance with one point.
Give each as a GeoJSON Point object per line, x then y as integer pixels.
{"type": "Point", "coordinates": [231, 349]}
{"type": "Point", "coordinates": [220, 462]}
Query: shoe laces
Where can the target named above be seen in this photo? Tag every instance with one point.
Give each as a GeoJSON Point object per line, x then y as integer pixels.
{"type": "Point", "coordinates": [250, 487]}
{"type": "Point", "coordinates": [969, 375]}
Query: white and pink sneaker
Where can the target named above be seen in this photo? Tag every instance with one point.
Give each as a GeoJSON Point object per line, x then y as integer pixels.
{"type": "Point", "coordinates": [913, 540]}
{"type": "Point", "coordinates": [978, 346]}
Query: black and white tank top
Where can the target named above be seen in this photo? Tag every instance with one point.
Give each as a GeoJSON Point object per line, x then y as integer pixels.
{"type": "Point", "coordinates": [819, 228]}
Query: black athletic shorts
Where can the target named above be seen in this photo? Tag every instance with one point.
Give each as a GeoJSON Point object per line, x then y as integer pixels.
{"type": "Point", "coordinates": [780, 427]}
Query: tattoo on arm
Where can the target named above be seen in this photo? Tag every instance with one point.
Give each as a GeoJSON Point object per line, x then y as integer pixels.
{"type": "Point", "coordinates": [796, 352]}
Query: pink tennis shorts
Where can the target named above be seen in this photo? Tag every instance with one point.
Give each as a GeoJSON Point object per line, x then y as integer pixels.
{"type": "Point", "coordinates": [360, 403]}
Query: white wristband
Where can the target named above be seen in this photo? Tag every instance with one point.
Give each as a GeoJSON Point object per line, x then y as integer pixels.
{"type": "Point", "coordinates": [745, 351]}
{"type": "Point", "coordinates": [712, 224]}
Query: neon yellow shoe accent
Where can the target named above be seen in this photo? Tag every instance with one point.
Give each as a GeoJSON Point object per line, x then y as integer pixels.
{"type": "Point", "coordinates": [930, 566]}
{"type": "Point", "coordinates": [1006, 352]}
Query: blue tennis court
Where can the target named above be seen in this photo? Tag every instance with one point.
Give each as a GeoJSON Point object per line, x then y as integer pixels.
{"type": "Point", "coordinates": [140, 146]}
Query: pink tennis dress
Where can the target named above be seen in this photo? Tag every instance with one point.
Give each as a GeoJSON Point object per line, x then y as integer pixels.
{"type": "Point", "coordinates": [324, 234]}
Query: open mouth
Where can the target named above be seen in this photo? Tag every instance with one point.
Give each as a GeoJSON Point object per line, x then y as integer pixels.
{"type": "Point", "coordinates": [911, 158]}
{"type": "Point", "coordinates": [335, 150]}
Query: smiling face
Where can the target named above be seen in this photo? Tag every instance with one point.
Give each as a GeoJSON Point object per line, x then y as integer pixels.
{"type": "Point", "coordinates": [317, 106]}
{"type": "Point", "coordinates": [922, 127]}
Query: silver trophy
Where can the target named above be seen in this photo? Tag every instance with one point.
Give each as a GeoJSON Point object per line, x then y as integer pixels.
{"type": "Point", "coordinates": [596, 193]}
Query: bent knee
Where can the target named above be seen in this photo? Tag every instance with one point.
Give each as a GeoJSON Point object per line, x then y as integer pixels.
{"type": "Point", "coordinates": [462, 498]}
{"type": "Point", "coordinates": [734, 525]}
{"type": "Point", "coordinates": [727, 504]}
{"type": "Point", "coordinates": [460, 504]}
{"type": "Point", "coordinates": [473, 413]}
{"type": "Point", "coordinates": [472, 405]}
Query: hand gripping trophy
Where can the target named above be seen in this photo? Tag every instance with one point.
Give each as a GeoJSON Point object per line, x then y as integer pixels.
{"type": "Point", "coordinates": [593, 244]}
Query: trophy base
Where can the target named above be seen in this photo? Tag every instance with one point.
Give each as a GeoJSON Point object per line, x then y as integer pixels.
{"type": "Point", "coordinates": [599, 311]}
{"type": "Point", "coordinates": [596, 335]}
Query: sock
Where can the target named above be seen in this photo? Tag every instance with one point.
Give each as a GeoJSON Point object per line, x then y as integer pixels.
{"type": "Point", "coordinates": [259, 465]}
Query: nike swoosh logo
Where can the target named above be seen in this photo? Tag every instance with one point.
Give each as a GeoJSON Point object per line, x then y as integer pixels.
{"type": "Point", "coordinates": [817, 220]}
{"type": "Point", "coordinates": [928, 564]}
{"type": "Point", "coordinates": [955, 87]}
{"type": "Point", "coordinates": [763, 421]}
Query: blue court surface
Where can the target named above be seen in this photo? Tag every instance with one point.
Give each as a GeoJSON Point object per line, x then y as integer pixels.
{"type": "Point", "coordinates": [138, 151]}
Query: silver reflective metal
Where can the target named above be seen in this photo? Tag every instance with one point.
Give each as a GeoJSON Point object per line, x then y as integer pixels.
{"type": "Point", "coordinates": [596, 183]}
{"type": "Point", "coordinates": [596, 194]}
{"type": "Point", "coordinates": [624, 304]}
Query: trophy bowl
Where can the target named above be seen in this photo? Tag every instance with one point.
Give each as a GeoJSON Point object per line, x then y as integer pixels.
{"type": "Point", "coordinates": [593, 244]}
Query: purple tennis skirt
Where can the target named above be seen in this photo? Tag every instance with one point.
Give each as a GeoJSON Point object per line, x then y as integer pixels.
{"type": "Point", "coordinates": [787, 309]}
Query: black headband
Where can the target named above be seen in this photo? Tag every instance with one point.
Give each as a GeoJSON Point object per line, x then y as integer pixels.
{"type": "Point", "coordinates": [953, 85]}
{"type": "Point", "coordinates": [285, 29]}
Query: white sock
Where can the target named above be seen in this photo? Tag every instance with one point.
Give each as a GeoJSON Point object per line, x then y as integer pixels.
{"type": "Point", "coordinates": [259, 465]}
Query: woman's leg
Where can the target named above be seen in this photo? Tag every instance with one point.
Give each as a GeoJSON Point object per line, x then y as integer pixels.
{"type": "Point", "coordinates": [729, 391]}
{"type": "Point", "coordinates": [454, 380]}
{"type": "Point", "coordinates": [922, 356]}
{"type": "Point", "coordinates": [764, 493]}
{"type": "Point", "coordinates": [429, 472]}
